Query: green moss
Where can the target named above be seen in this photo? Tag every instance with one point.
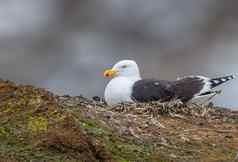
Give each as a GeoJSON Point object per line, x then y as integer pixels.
{"type": "Point", "coordinates": [3, 132]}
{"type": "Point", "coordinates": [37, 124]}
{"type": "Point", "coordinates": [92, 127]}
{"type": "Point", "coordinates": [228, 153]}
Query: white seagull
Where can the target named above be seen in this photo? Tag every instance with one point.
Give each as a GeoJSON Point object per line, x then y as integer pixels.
{"type": "Point", "coordinates": [127, 85]}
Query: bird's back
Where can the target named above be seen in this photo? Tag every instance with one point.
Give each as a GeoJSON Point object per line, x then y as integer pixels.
{"type": "Point", "coordinates": [147, 90]}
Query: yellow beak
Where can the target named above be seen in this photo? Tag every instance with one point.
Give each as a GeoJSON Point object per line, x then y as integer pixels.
{"type": "Point", "coordinates": [110, 73]}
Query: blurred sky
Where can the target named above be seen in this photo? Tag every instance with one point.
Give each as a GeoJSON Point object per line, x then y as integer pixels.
{"type": "Point", "coordinates": [64, 45]}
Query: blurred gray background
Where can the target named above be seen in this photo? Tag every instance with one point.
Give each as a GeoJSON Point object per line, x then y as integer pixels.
{"type": "Point", "coordinates": [64, 45]}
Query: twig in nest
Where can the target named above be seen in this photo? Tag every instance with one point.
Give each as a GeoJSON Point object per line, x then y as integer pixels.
{"type": "Point", "coordinates": [207, 129]}
{"type": "Point", "coordinates": [176, 148]}
{"type": "Point", "coordinates": [176, 115]}
{"type": "Point", "coordinates": [123, 107]}
{"type": "Point", "coordinates": [157, 123]}
{"type": "Point", "coordinates": [132, 132]}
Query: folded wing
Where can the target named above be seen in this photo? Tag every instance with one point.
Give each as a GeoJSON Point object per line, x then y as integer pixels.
{"type": "Point", "coordinates": [147, 90]}
{"type": "Point", "coordinates": [183, 89]}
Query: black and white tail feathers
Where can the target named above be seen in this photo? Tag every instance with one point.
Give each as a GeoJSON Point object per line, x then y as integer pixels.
{"type": "Point", "coordinates": [218, 81]}
{"type": "Point", "coordinates": [210, 83]}
{"type": "Point", "coordinates": [204, 86]}
{"type": "Point", "coordinates": [207, 87]}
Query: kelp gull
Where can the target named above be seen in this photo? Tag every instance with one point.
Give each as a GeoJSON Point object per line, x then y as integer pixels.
{"type": "Point", "coordinates": [128, 86]}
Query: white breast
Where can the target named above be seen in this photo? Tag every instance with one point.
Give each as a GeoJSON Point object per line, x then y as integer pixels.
{"type": "Point", "coordinates": [119, 90]}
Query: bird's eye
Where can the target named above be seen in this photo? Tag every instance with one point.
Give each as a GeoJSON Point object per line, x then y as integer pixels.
{"type": "Point", "coordinates": [124, 66]}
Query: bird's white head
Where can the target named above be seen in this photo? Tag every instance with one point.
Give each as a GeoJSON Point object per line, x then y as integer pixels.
{"type": "Point", "coordinates": [125, 68]}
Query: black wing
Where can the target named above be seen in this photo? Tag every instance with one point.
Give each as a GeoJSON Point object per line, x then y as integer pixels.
{"type": "Point", "coordinates": [147, 90]}
{"type": "Point", "coordinates": [187, 87]}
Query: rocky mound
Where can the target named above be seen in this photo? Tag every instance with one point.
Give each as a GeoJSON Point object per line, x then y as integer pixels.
{"type": "Point", "coordinates": [36, 125]}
